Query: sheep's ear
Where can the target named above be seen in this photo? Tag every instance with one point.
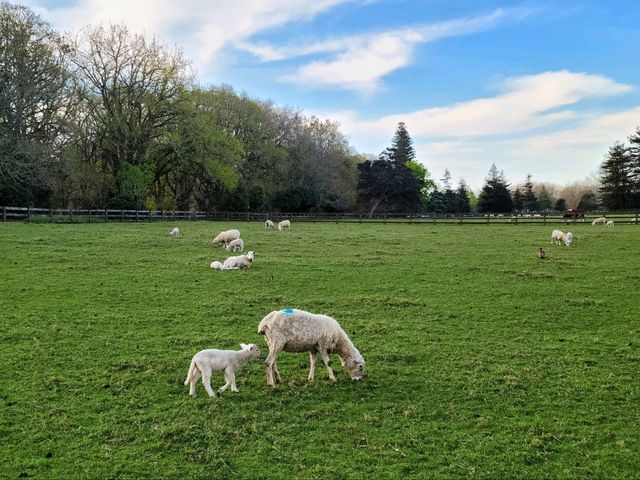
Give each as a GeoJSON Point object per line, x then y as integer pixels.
{"type": "Point", "coordinates": [244, 346]}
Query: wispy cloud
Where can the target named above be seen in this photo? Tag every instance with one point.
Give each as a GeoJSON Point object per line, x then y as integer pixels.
{"type": "Point", "coordinates": [359, 62]}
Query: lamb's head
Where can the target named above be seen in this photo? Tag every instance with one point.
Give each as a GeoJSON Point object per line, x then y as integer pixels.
{"type": "Point", "coordinates": [568, 238]}
{"type": "Point", "coordinates": [354, 365]}
{"type": "Point", "coordinates": [250, 255]}
{"type": "Point", "coordinates": [253, 348]}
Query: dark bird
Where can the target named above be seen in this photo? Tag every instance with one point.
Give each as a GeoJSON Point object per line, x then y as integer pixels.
{"type": "Point", "coordinates": [541, 254]}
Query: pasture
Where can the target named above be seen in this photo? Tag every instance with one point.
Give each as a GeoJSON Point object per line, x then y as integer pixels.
{"type": "Point", "coordinates": [482, 360]}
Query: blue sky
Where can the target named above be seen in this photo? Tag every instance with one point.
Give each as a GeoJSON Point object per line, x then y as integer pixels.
{"type": "Point", "coordinates": [540, 87]}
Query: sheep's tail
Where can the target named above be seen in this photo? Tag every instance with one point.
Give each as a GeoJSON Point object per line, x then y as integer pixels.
{"type": "Point", "coordinates": [191, 371]}
{"type": "Point", "coordinates": [262, 327]}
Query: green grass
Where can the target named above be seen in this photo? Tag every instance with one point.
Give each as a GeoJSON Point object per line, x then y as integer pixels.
{"type": "Point", "coordinates": [482, 360]}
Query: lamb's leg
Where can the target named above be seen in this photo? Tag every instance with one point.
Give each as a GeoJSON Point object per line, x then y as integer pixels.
{"type": "Point", "coordinates": [206, 381]}
{"type": "Point", "coordinates": [327, 364]}
{"type": "Point", "coordinates": [227, 384]}
{"type": "Point", "coordinates": [232, 379]}
{"type": "Point", "coordinates": [312, 370]}
{"type": "Point", "coordinates": [194, 379]}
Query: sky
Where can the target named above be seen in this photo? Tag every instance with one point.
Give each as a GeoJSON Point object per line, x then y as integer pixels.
{"type": "Point", "coordinates": [539, 87]}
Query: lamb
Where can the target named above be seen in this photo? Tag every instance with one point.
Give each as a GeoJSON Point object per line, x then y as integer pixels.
{"type": "Point", "coordinates": [294, 330]}
{"type": "Point", "coordinates": [216, 265]}
{"type": "Point", "coordinates": [175, 232]}
{"type": "Point", "coordinates": [236, 263]}
{"type": "Point", "coordinates": [236, 245]}
{"type": "Point", "coordinates": [610, 223]}
{"type": "Point", "coordinates": [269, 224]}
{"type": "Point", "coordinates": [226, 237]}
{"type": "Point", "coordinates": [212, 360]}
{"type": "Point", "coordinates": [599, 221]}
{"type": "Point", "coordinates": [559, 237]}
{"type": "Point", "coordinates": [284, 225]}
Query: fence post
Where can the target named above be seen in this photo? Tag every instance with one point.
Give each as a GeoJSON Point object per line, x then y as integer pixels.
{"type": "Point", "coordinates": [136, 214]}
{"type": "Point", "coordinates": [460, 218]}
{"type": "Point", "coordinates": [106, 215]}
{"type": "Point", "coordinates": [70, 215]}
{"type": "Point", "coordinates": [89, 215]}
{"type": "Point", "coordinates": [122, 215]}
{"type": "Point", "coordinates": [544, 218]}
{"type": "Point", "coordinates": [28, 214]}
{"type": "Point", "coordinates": [50, 215]}
{"type": "Point", "coordinates": [636, 217]}
{"type": "Point", "coordinates": [4, 214]}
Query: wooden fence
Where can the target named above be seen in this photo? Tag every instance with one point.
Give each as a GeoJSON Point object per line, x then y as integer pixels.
{"type": "Point", "coordinates": [49, 215]}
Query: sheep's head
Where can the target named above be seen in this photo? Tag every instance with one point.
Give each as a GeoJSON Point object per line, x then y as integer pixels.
{"type": "Point", "coordinates": [252, 347]}
{"type": "Point", "coordinates": [355, 366]}
{"type": "Point", "coordinates": [250, 255]}
{"type": "Point", "coordinates": [568, 238]}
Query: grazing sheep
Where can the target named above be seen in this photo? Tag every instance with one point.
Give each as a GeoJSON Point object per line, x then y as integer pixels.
{"type": "Point", "coordinates": [559, 237]}
{"type": "Point", "coordinates": [175, 232]}
{"type": "Point", "coordinates": [226, 237]}
{"type": "Point", "coordinates": [269, 224]}
{"type": "Point", "coordinates": [284, 225]}
{"type": "Point", "coordinates": [216, 265]}
{"type": "Point", "coordinates": [610, 223]}
{"type": "Point", "coordinates": [242, 261]}
{"type": "Point", "coordinates": [236, 245]}
{"type": "Point", "coordinates": [299, 331]}
{"type": "Point", "coordinates": [599, 221]}
{"type": "Point", "coordinates": [207, 361]}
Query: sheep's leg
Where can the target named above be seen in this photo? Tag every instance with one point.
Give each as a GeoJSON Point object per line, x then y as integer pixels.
{"type": "Point", "coordinates": [206, 381]}
{"type": "Point", "coordinates": [327, 364]}
{"type": "Point", "coordinates": [276, 373]}
{"type": "Point", "coordinates": [312, 370]}
{"type": "Point", "coordinates": [232, 379]}
{"type": "Point", "coordinates": [192, 383]}
{"type": "Point", "coordinates": [270, 362]}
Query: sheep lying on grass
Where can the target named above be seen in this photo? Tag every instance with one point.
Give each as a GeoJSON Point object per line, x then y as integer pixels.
{"type": "Point", "coordinates": [599, 221]}
{"type": "Point", "coordinates": [559, 237]}
{"type": "Point", "coordinates": [242, 261]}
{"type": "Point", "coordinates": [236, 245]}
{"type": "Point", "coordinates": [269, 224]}
{"type": "Point", "coordinates": [610, 223]}
{"type": "Point", "coordinates": [216, 265]}
{"type": "Point", "coordinates": [207, 361]}
{"type": "Point", "coordinates": [299, 331]}
{"type": "Point", "coordinates": [284, 225]}
{"type": "Point", "coordinates": [226, 237]}
{"type": "Point", "coordinates": [175, 232]}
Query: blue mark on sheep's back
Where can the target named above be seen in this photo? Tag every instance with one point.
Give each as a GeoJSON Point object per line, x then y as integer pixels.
{"type": "Point", "coordinates": [288, 311]}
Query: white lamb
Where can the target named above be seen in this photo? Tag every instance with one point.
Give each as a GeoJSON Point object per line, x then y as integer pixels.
{"type": "Point", "coordinates": [599, 221]}
{"type": "Point", "coordinates": [559, 237]}
{"type": "Point", "coordinates": [236, 263]}
{"type": "Point", "coordinates": [284, 225]}
{"type": "Point", "coordinates": [216, 265]}
{"type": "Point", "coordinates": [236, 245]}
{"type": "Point", "coordinates": [299, 331]}
{"type": "Point", "coordinates": [226, 237]}
{"type": "Point", "coordinates": [610, 223]}
{"type": "Point", "coordinates": [207, 361]}
{"type": "Point", "coordinates": [175, 232]}
{"type": "Point", "coordinates": [269, 224]}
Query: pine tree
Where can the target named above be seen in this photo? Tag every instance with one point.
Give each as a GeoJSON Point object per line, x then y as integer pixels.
{"type": "Point", "coordinates": [634, 151]}
{"type": "Point", "coordinates": [495, 195]}
{"type": "Point", "coordinates": [544, 200]}
{"type": "Point", "coordinates": [588, 202]}
{"type": "Point", "coordinates": [616, 178]}
{"type": "Point", "coordinates": [529, 200]}
{"type": "Point", "coordinates": [518, 203]}
{"type": "Point", "coordinates": [462, 197]}
{"type": "Point", "coordinates": [560, 205]}
{"type": "Point", "coordinates": [401, 150]}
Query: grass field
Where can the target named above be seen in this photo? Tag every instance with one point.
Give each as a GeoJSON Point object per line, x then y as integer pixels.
{"type": "Point", "coordinates": [482, 360]}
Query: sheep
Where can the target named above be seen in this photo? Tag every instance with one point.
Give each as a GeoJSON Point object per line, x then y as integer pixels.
{"type": "Point", "coordinates": [236, 245]}
{"type": "Point", "coordinates": [216, 265]}
{"type": "Point", "coordinates": [236, 263]}
{"type": "Point", "coordinates": [294, 330]}
{"type": "Point", "coordinates": [559, 237]}
{"type": "Point", "coordinates": [212, 360]}
{"type": "Point", "coordinates": [284, 225]}
{"type": "Point", "coordinates": [175, 232]}
{"type": "Point", "coordinates": [599, 221]}
{"type": "Point", "coordinates": [269, 224]}
{"type": "Point", "coordinates": [226, 237]}
{"type": "Point", "coordinates": [610, 223]}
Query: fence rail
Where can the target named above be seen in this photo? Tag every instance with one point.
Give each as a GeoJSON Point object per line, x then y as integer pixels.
{"type": "Point", "coordinates": [56, 215]}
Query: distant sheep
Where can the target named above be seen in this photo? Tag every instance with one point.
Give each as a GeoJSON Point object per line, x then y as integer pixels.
{"type": "Point", "coordinates": [599, 221]}
{"type": "Point", "coordinates": [269, 224]}
{"type": "Point", "coordinates": [236, 245]}
{"type": "Point", "coordinates": [299, 331]}
{"type": "Point", "coordinates": [207, 361]}
{"type": "Point", "coordinates": [216, 265]}
{"type": "Point", "coordinates": [559, 237]}
{"type": "Point", "coordinates": [284, 225]}
{"type": "Point", "coordinates": [610, 223]}
{"type": "Point", "coordinates": [236, 263]}
{"type": "Point", "coordinates": [175, 232]}
{"type": "Point", "coordinates": [226, 237]}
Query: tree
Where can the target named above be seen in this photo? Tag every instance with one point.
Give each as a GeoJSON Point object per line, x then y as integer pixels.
{"type": "Point", "coordinates": [462, 197]}
{"type": "Point", "coordinates": [634, 152]}
{"type": "Point", "coordinates": [495, 195]}
{"type": "Point", "coordinates": [544, 200]}
{"type": "Point", "coordinates": [529, 200]}
{"type": "Point", "coordinates": [617, 187]}
{"type": "Point", "coordinates": [518, 202]}
{"type": "Point", "coordinates": [36, 102]}
{"type": "Point", "coordinates": [424, 177]}
{"type": "Point", "coordinates": [589, 201]}
{"type": "Point", "coordinates": [401, 150]}
{"type": "Point", "coordinates": [560, 205]}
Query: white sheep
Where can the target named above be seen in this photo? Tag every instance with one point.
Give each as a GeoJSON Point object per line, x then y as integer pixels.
{"type": "Point", "coordinates": [175, 232]}
{"type": "Point", "coordinates": [284, 225]}
{"type": "Point", "coordinates": [559, 237]}
{"type": "Point", "coordinates": [226, 237]}
{"type": "Point", "coordinates": [216, 265]}
{"type": "Point", "coordinates": [236, 263]}
{"type": "Point", "coordinates": [236, 245]}
{"type": "Point", "coordinates": [269, 224]}
{"type": "Point", "coordinates": [599, 221]}
{"type": "Point", "coordinates": [207, 361]}
{"type": "Point", "coordinates": [294, 330]}
{"type": "Point", "coordinates": [610, 223]}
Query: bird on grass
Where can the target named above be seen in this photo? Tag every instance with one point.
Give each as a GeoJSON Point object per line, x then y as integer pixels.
{"type": "Point", "coordinates": [541, 254]}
